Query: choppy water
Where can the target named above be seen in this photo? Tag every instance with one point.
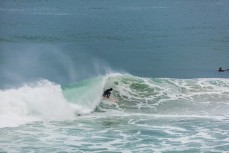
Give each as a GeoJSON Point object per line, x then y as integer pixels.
{"type": "Point", "coordinates": [160, 57]}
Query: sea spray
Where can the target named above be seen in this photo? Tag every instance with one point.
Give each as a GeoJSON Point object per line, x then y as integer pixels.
{"type": "Point", "coordinates": [20, 64]}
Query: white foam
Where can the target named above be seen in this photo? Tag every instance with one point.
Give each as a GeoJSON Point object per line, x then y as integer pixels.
{"type": "Point", "coordinates": [40, 101]}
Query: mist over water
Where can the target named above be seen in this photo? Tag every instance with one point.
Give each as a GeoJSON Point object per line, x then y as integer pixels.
{"type": "Point", "coordinates": [27, 63]}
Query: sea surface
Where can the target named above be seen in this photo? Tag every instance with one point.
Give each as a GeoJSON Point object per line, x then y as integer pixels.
{"type": "Point", "coordinates": [160, 56]}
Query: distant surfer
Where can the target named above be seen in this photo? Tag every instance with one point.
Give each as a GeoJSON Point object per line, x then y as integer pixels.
{"type": "Point", "coordinates": [107, 93]}
{"type": "Point", "coordinates": [221, 70]}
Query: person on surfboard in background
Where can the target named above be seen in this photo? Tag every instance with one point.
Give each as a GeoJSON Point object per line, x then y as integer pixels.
{"type": "Point", "coordinates": [107, 93]}
{"type": "Point", "coordinates": [221, 70]}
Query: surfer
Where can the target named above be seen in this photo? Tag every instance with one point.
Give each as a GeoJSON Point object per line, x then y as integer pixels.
{"type": "Point", "coordinates": [107, 93]}
{"type": "Point", "coordinates": [221, 70]}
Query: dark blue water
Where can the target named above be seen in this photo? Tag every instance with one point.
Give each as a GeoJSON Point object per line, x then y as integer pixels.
{"type": "Point", "coordinates": [150, 38]}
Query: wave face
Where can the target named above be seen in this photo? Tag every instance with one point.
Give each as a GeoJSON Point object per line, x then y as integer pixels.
{"type": "Point", "coordinates": [45, 100]}
{"type": "Point", "coordinates": [171, 96]}
{"type": "Point", "coordinates": [86, 93]}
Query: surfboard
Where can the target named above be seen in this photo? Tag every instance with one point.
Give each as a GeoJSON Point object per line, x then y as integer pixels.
{"type": "Point", "coordinates": [111, 99]}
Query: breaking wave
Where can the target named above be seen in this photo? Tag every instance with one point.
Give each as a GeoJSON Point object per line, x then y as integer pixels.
{"type": "Point", "coordinates": [45, 100]}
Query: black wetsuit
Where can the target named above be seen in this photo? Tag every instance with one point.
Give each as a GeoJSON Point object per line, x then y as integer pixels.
{"type": "Point", "coordinates": [221, 70]}
{"type": "Point", "coordinates": [107, 93]}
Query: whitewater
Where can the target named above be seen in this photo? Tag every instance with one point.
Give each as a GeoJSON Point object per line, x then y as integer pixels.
{"type": "Point", "coordinates": [150, 115]}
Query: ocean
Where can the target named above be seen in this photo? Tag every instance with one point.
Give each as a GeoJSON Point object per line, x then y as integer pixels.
{"type": "Point", "coordinates": [161, 57]}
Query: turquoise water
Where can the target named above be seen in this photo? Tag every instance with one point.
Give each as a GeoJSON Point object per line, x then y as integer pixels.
{"type": "Point", "coordinates": [160, 57]}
